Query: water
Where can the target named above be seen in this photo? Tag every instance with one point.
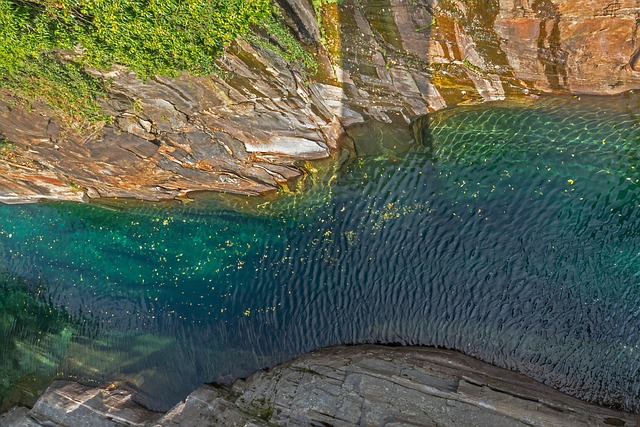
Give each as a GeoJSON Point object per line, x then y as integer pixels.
{"type": "Point", "coordinates": [510, 233]}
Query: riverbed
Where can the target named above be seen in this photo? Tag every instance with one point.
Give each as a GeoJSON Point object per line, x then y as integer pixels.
{"type": "Point", "coordinates": [509, 232]}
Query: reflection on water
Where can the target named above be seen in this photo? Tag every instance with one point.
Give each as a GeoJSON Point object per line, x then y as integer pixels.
{"type": "Point", "coordinates": [510, 234]}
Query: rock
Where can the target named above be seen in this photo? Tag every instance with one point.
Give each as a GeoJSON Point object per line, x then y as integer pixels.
{"type": "Point", "coordinates": [298, 148]}
{"type": "Point", "coordinates": [346, 385]}
{"type": "Point", "coordinates": [163, 114]}
{"type": "Point", "coordinates": [301, 18]}
{"type": "Point", "coordinates": [373, 385]}
{"type": "Point", "coordinates": [575, 46]}
{"type": "Point", "coordinates": [18, 416]}
{"type": "Point", "coordinates": [390, 62]}
{"type": "Point", "coordinates": [69, 404]}
{"type": "Point", "coordinates": [173, 136]}
{"type": "Point", "coordinates": [208, 406]}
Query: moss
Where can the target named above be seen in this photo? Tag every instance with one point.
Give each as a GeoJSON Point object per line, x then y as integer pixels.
{"type": "Point", "coordinates": [261, 408]}
{"type": "Point", "coordinates": [384, 23]}
{"type": "Point", "coordinates": [318, 5]}
{"type": "Point", "coordinates": [46, 46]}
{"type": "Point", "coordinates": [330, 30]}
{"type": "Point", "coordinates": [4, 143]}
{"type": "Point", "coordinates": [278, 38]}
{"type": "Point", "coordinates": [306, 370]}
{"type": "Point", "coordinates": [469, 65]}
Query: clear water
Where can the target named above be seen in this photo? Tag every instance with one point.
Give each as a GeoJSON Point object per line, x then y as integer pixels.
{"type": "Point", "coordinates": [511, 234]}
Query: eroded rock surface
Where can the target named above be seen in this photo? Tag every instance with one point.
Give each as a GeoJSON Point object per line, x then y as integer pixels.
{"type": "Point", "coordinates": [242, 132]}
{"type": "Point", "coordinates": [248, 130]}
{"type": "Point", "coordinates": [357, 385]}
{"type": "Point", "coordinates": [573, 46]}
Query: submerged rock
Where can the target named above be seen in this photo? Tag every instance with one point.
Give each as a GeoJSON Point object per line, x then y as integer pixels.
{"type": "Point", "coordinates": [354, 385]}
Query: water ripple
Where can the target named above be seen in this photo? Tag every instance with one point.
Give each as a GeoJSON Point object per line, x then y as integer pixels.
{"type": "Point", "coordinates": [510, 234]}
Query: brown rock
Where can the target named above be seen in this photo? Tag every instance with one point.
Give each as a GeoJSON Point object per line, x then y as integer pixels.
{"type": "Point", "coordinates": [389, 61]}
{"type": "Point", "coordinates": [573, 46]}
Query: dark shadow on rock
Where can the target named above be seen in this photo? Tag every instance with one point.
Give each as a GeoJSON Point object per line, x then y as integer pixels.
{"type": "Point", "coordinates": [550, 53]}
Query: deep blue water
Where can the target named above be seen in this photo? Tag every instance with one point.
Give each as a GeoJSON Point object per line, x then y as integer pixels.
{"type": "Point", "coordinates": [510, 233]}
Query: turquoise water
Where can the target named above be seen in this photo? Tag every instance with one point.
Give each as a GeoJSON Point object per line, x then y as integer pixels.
{"type": "Point", "coordinates": [510, 233]}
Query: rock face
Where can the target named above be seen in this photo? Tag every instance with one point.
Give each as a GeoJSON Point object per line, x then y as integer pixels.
{"type": "Point", "coordinates": [248, 130]}
{"type": "Point", "coordinates": [360, 385]}
{"type": "Point", "coordinates": [397, 59]}
{"type": "Point", "coordinates": [242, 134]}
{"type": "Point", "coordinates": [573, 46]}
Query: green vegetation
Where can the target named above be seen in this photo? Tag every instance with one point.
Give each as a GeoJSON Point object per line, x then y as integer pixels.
{"type": "Point", "coordinates": [287, 46]}
{"type": "Point", "coordinates": [323, 14]}
{"type": "Point", "coordinates": [317, 4]}
{"type": "Point", "coordinates": [469, 65]}
{"type": "Point", "coordinates": [262, 408]}
{"type": "Point", "coordinates": [46, 45]}
{"type": "Point", "coordinates": [148, 36]}
{"type": "Point", "coordinates": [63, 85]}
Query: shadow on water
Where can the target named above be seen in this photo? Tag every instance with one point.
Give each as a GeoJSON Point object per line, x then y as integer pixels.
{"type": "Point", "coordinates": [34, 335]}
{"type": "Point", "coordinates": [509, 233]}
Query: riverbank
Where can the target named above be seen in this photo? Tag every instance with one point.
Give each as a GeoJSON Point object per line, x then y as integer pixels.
{"type": "Point", "coordinates": [344, 385]}
{"type": "Point", "coordinates": [262, 122]}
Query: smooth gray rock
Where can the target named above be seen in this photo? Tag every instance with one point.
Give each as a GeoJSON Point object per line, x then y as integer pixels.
{"type": "Point", "coordinates": [376, 386]}
{"type": "Point", "coordinates": [339, 386]}
{"type": "Point", "coordinates": [207, 406]}
{"type": "Point", "coordinates": [69, 404]}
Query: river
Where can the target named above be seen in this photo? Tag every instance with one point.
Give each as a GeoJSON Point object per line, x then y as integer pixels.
{"type": "Point", "coordinates": [510, 232]}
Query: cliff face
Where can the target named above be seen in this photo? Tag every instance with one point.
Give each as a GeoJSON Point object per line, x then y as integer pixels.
{"type": "Point", "coordinates": [405, 58]}
{"type": "Point", "coordinates": [250, 129]}
{"type": "Point", "coordinates": [574, 46]}
{"type": "Point", "coordinates": [241, 132]}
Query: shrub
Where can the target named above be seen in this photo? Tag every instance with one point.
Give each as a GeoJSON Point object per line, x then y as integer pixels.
{"type": "Point", "coordinates": [45, 44]}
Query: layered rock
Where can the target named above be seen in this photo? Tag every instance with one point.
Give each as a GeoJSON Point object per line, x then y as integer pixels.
{"type": "Point", "coordinates": [241, 133]}
{"type": "Point", "coordinates": [358, 385]}
{"type": "Point", "coordinates": [249, 129]}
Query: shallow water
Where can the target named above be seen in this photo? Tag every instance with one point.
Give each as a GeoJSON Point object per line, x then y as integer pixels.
{"type": "Point", "coordinates": [510, 233]}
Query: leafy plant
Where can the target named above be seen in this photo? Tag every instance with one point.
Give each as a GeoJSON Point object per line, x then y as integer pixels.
{"type": "Point", "coordinates": [286, 45]}
{"type": "Point", "coordinates": [63, 85]}
{"type": "Point", "coordinates": [148, 36]}
{"type": "Point", "coordinates": [317, 4]}
{"type": "Point", "coordinates": [45, 45]}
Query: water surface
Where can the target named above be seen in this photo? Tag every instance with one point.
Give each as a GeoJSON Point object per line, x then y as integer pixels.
{"type": "Point", "coordinates": [510, 233]}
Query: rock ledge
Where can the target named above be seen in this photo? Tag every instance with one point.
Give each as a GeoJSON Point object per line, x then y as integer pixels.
{"type": "Point", "coordinates": [346, 385]}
